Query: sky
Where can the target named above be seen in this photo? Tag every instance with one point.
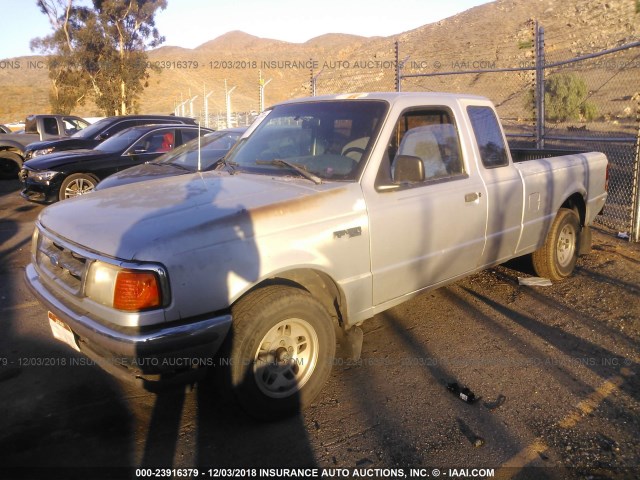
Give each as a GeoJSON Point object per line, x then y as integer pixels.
{"type": "Point", "coordinates": [190, 23]}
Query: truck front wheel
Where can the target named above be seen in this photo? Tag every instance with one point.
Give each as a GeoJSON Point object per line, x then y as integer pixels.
{"type": "Point", "coordinates": [281, 350]}
{"type": "Point", "coordinates": [10, 164]}
{"type": "Point", "coordinates": [557, 258]}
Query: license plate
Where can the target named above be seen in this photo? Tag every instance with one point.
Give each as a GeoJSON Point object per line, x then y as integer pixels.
{"type": "Point", "coordinates": [61, 331]}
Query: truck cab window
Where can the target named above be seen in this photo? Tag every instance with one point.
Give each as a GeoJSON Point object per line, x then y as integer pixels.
{"type": "Point", "coordinates": [430, 135]}
{"type": "Point", "coordinates": [50, 126]}
{"type": "Point", "coordinates": [73, 125]}
{"type": "Point", "coordinates": [486, 128]}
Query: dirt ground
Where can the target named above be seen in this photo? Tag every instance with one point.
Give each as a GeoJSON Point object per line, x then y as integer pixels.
{"type": "Point", "coordinates": [555, 369]}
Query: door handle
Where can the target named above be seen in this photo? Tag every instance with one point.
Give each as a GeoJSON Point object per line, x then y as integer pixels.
{"type": "Point", "coordinates": [472, 197]}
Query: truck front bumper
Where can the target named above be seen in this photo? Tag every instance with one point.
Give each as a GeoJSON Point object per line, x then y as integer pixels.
{"type": "Point", "coordinates": [162, 354]}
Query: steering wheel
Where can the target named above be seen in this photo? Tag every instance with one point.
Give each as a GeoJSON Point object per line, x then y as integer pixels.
{"type": "Point", "coordinates": [354, 150]}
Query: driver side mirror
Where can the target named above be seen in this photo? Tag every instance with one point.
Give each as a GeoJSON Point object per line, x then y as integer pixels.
{"type": "Point", "coordinates": [407, 169]}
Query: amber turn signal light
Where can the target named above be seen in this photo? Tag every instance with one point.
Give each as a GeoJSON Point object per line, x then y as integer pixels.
{"type": "Point", "coordinates": [135, 291]}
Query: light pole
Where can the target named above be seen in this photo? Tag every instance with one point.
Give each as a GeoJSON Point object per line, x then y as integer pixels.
{"type": "Point", "coordinates": [227, 94]}
{"type": "Point", "coordinates": [263, 84]}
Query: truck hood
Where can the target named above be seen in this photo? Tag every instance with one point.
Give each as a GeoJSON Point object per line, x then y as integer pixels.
{"type": "Point", "coordinates": [184, 213]}
{"type": "Point", "coordinates": [141, 173]}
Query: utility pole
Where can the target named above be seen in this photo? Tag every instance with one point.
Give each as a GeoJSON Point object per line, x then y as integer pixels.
{"type": "Point", "coordinates": [179, 111]}
{"type": "Point", "coordinates": [227, 94]}
{"type": "Point", "coordinates": [191, 106]}
{"type": "Point", "coordinates": [263, 84]}
{"type": "Point", "coordinates": [206, 109]}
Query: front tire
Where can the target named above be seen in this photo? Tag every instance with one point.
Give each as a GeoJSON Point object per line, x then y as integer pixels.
{"type": "Point", "coordinates": [557, 258]}
{"type": "Point", "coordinates": [76, 184]}
{"type": "Point", "coordinates": [281, 351]}
{"type": "Point", "coordinates": [10, 164]}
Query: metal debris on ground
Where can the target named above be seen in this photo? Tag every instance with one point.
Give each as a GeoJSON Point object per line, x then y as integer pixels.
{"type": "Point", "coordinates": [534, 281]}
{"type": "Point", "coordinates": [463, 393]}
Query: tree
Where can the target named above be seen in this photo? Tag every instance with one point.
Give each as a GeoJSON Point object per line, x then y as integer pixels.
{"type": "Point", "coordinates": [566, 98]}
{"type": "Point", "coordinates": [99, 52]}
{"type": "Point", "coordinates": [68, 81]}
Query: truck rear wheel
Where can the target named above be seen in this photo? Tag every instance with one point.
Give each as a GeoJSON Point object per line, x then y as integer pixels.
{"type": "Point", "coordinates": [557, 258]}
{"type": "Point", "coordinates": [280, 351]}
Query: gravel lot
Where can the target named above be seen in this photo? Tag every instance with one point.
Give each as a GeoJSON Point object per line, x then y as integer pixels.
{"type": "Point", "coordinates": [556, 370]}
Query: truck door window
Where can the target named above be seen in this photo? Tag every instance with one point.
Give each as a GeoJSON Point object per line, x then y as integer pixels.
{"type": "Point", "coordinates": [430, 135]}
{"type": "Point", "coordinates": [493, 151]}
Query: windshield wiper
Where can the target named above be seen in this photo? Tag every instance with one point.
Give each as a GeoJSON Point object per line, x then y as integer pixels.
{"type": "Point", "coordinates": [222, 161]}
{"type": "Point", "coordinates": [169, 164]}
{"type": "Point", "coordinates": [278, 162]}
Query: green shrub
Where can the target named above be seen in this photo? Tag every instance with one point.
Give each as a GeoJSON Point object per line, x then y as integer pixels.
{"type": "Point", "coordinates": [565, 99]}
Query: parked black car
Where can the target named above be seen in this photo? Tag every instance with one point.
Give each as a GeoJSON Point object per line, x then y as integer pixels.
{"type": "Point", "coordinates": [62, 175]}
{"type": "Point", "coordinates": [98, 132]}
{"type": "Point", "coordinates": [184, 159]}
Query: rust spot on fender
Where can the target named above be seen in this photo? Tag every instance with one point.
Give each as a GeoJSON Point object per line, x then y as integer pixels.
{"type": "Point", "coordinates": [295, 205]}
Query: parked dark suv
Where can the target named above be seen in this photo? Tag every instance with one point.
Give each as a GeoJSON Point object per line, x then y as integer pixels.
{"type": "Point", "coordinates": [89, 137]}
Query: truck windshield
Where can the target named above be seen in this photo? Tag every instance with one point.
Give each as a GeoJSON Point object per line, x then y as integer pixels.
{"type": "Point", "coordinates": [328, 140]}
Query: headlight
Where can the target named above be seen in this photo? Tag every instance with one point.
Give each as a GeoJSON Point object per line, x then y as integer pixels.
{"type": "Point", "coordinates": [42, 151]}
{"type": "Point", "coordinates": [43, 176]}
{"type": "Point", "coordinates": [34, 242]}
{"type": "Point", "coordinates": [123, 289]}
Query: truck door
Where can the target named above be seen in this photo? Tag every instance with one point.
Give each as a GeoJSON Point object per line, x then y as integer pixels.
{"type": "Point", "coordinates": [428, 232]}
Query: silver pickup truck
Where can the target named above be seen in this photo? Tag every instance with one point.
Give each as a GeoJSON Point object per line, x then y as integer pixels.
{"type": "Point", "coordinates": [328, 211]}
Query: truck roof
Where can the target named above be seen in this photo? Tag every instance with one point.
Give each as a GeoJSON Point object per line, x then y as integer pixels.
{"type": "Point", "coordinates": [390, 97]}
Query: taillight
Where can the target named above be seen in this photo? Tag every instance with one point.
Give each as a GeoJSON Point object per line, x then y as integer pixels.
{"type": "Point", "coordinates": [606, 179]}
{"type": "Point", "coordinates": [136, 291]}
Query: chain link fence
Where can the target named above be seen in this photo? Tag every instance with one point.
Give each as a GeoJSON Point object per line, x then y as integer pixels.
{"type": "Point", "coordinates": [548, 93]}
{"type": "Point", "coordinates": [606, 118]}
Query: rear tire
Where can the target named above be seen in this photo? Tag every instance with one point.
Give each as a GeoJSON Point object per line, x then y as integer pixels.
{"type": "Point", "coordinates": [557, 258]}
{"type": "Point", "coordinates": [281, 351]}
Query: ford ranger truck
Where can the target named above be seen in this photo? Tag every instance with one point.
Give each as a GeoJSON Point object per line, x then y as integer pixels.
{"type": "Point", "coordinates": [328, 211]}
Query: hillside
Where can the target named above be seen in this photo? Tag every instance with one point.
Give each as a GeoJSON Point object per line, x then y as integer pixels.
{"type": "Point", "coordinates": [494, 35]}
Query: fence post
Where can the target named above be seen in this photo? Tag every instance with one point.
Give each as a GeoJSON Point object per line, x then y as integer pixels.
{"type": "Point", "coordinates": [539, 88]}
{"type": "Point", "coordinates": [635, 225]}
{"type": "Point", "coordinates": [398, 78]}
{"type": "Point", "coordinates": [314, 81]}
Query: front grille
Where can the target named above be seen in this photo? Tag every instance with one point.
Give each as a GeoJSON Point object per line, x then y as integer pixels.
{"type": "Point", "coordinates": [60, 263]}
